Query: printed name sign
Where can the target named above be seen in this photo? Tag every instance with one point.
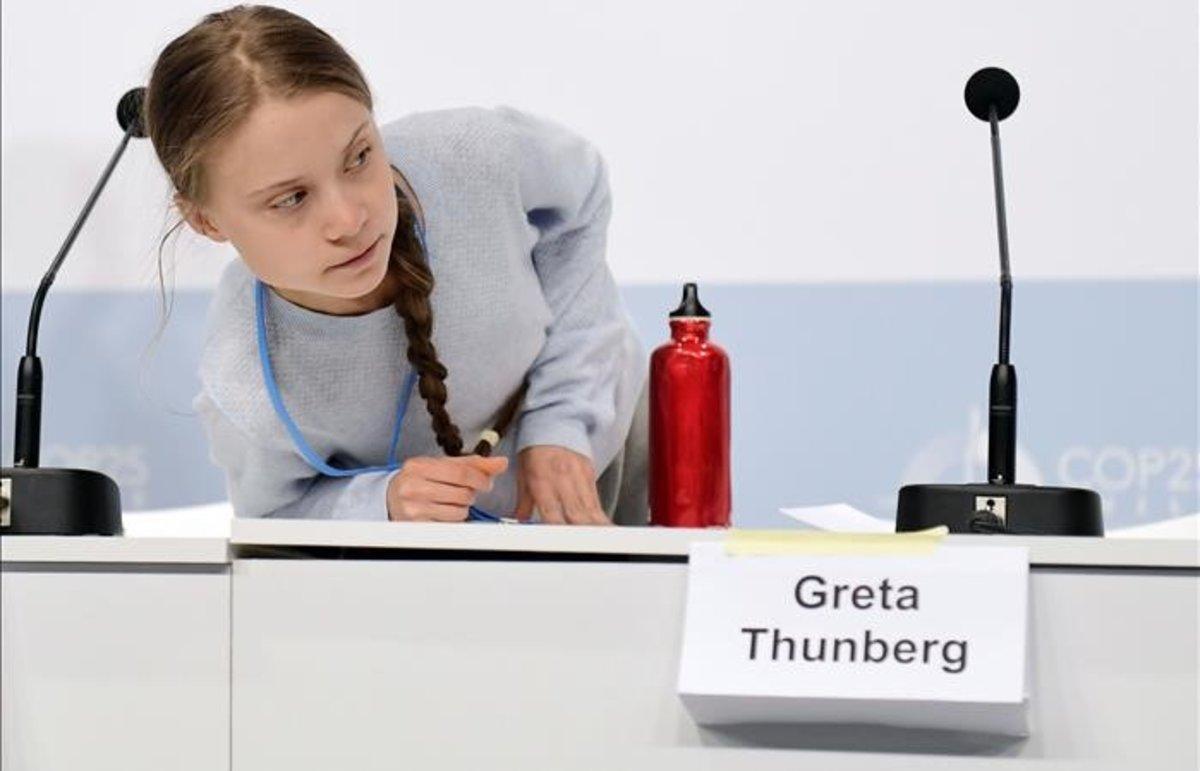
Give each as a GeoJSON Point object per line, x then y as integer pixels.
{"type": "Point", "coordinates": [935, 640]}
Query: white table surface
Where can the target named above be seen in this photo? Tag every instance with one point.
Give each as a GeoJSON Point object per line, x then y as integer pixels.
{"type": "Point", "coordinates": [535, 539]}
{"type": "Point", "coordinates": [114, 549]}
{"type": "Point", "coordinates": [666, 542]}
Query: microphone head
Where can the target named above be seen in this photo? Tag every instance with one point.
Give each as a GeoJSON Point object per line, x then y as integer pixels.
{"type": "Point", "coordinates": [992, 87]}
{"type": "Point", "coordinates": [129, 111]}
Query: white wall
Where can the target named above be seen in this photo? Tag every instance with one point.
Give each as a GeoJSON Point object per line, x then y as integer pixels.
{"type": "Point", "coordinates": [751, 141]}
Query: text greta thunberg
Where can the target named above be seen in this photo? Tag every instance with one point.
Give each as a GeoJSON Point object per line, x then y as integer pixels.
{"type": "Point", "coordinates": [813, 592]}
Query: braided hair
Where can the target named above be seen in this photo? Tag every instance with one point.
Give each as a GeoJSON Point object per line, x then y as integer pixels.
{"type": "Point", "coordinates": [413, 306]}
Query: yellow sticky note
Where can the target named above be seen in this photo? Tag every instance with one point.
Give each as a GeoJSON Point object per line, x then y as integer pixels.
{"type": "Point", "coordinates": [764, 542]}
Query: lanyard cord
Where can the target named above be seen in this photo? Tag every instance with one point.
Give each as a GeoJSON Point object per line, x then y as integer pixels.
{"type": "Point", "coordinates": [306, 450]}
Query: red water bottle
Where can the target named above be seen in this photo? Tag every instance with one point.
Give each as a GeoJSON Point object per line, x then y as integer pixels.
{"type": "Point", "coordinates": [689, 423]}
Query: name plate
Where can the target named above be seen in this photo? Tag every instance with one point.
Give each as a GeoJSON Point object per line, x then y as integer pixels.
{"type": "Point", "coordinates": [934, 640]}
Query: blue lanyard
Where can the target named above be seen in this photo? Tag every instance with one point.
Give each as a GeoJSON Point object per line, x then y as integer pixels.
{"type": "Point", "coordinates": [306, 450]}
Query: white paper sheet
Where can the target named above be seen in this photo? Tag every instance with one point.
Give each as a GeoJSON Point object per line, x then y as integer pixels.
{"type": "Point", "coordinates": [838, 518]}
{"type": "Point", "coordinates": [1176, 527]}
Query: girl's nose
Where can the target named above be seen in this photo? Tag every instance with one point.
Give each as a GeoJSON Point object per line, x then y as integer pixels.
{"type": "Point", "coordinates": [347, 216]}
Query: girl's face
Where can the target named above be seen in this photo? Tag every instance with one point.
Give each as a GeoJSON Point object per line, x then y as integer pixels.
{"type": "Point", "coordinates": [304, 191]}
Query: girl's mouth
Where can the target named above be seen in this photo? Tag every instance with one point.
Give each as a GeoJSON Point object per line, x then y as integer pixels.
{"type": "Point", "coordinates": [361, 259]}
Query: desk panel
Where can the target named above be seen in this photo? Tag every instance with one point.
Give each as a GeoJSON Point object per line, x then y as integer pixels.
{"type": "Point", "coordinates": [462, 664]}
{"type": "Point", "coordinates": [114, 666]}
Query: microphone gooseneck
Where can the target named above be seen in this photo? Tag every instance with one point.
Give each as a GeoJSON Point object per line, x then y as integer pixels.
{"type": "Point", "coordinates": [28, 423]}
{"type": "Point", "coordinates": [129, 117]}
{"type": "Point", "coordinates": [1002, 235]}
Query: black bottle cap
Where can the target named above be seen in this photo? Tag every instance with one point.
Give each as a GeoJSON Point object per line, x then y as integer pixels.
{"type": "Point", "coordinates": [690, 306]}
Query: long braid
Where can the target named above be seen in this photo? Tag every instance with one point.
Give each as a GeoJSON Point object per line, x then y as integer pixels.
{"type": "Point", "coordinates": [412, 303]}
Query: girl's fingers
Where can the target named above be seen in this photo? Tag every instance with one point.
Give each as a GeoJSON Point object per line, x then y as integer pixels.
{"type": "Point", "coordinates": [578, 509]}
{"type": "Point", "coordinates": [577, 512]}
{"type": "Point", "coordinates": [455, 471]}
{"type": "Point", "coordinates": [589, 498]}
{"type": "Point", "coordinates": [549, 507]}
{"type": "Point", "coordinates": [442, 489]}
{"type": "Point", "coordinates": [561, 485]}
{"type": "Point", "coordinates": [440, 492]}
{"type": "Point", "coordinates": [565, 500]}
{"type": "Point", "coordinates": [424, 511]}
{"type": "Point", "coordinates": [440, 512]}
{"type": "Point", "coordinates": [524, 501]}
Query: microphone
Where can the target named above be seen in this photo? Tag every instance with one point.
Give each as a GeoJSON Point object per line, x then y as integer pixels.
{"type": "Point", "coordinates": [1001, 505]}
{"type": "Point", "coordinates": [992, 95]}
{"type": "Point", "coordinates": [47, 501]}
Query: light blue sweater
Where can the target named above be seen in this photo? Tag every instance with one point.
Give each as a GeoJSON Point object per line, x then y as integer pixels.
{"type": "Point", "coordinates": [516, 211]}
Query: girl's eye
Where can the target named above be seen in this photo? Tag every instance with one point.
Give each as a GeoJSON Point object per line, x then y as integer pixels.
{"type": "Point", "coordinates": [363, 155]}
{"type": "Point", "coordinates": [286, 203]}
{"type": "Point", "coordinates": [283, 202]}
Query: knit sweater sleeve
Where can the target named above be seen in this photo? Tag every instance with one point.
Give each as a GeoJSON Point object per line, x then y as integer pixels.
{"type": "Point", "coordinates": [580, 385]}
{"type": "Point", "coordinates": [267, 479]}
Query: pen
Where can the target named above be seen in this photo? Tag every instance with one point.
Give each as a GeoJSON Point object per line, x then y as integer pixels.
{"type": "Point", "coordinates": [487, 442]}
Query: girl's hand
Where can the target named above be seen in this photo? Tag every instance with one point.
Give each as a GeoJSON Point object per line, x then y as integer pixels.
{"type": "Point", "coordinates": [440, 489]}
{"type": "Point", "coordinates": [561, 484]}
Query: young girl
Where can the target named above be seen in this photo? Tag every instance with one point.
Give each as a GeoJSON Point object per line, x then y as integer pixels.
{"type": "Point", "coordinates": [321, 331]}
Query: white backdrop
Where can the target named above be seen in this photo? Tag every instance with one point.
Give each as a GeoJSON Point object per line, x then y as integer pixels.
{"type": "Point", "coordinates": [753, 141]}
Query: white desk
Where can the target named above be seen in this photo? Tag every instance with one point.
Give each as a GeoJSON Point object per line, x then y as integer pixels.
{"type": "Point", "coordinates": [522, 647]}
{"type": "Point", "coordinates": [326, 645]}
{"type": "Point", "coordinates": [115, 653]}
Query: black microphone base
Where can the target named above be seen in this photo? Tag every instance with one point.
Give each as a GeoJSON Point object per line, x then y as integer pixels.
{"type": "Point", "coordinates": [1011, 509]}
{"type": "Point", "coordinates": [59, 501]}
